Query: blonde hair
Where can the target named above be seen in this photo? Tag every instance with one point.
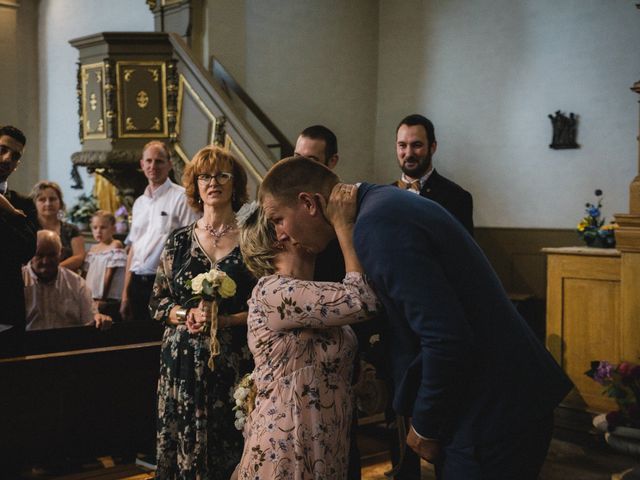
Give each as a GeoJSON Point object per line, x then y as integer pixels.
{"type": "Point", "coordinates": [290, 176]}
{"type": "Point", "coordinates": [257, 244]}
{"type": "Point", "coordinates": [110, 217]}
{"type": "Point", "coordinates": [41, 186]}
{"type": "Point", "coordinates": [157, 143]}
{"type": "Point", "coordinates": [209, 159]}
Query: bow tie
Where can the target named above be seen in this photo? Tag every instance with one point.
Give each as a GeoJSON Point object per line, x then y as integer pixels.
{"type": "Point", "coordinates": [414, 185]}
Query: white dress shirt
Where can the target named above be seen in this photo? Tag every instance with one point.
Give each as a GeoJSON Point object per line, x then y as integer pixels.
{"type": "Point", "coordinates": [63, 302]}
{"type": "Point", "coordinates": [423, 180]}
{"type": "Point", "coordinates": [154, 216]}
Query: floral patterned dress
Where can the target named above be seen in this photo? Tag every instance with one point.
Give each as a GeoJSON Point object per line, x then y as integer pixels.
{"type": "Point", "coordinates": [196, 437]}
{"type": "Point", "coordinates": [304, 354]}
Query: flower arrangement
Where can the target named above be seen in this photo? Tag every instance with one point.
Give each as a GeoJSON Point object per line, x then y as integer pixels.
{"type": "Point", "coordinates": [212, 286]}
{"type": "Point", "coordinates": [122, 219]}
{"type": "Point", "coordinates": [81, 212]}
{"type": "Point", "coordinates": [245, 398]}
{"type": "Point", "coordinates": [592, 229]}
{"type": "Point", "coordinates": [622, 383]}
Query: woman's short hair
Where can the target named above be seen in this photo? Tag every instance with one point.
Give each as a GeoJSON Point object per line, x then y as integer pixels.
{"type": "Point", "coordinates": [209, 159]}
{"type": "Point", "coordinates": [257, 244]}
{"type": "Point", "coordinates": [41, 186]}
{"type": "Point", "coordinates": [110, 217]}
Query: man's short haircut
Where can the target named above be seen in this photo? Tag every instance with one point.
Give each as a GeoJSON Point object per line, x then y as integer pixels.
{"type": "Point", "coordinates": [14, 133]}
{"type": "Point", "coordinates": [208, 160]}
{"type": "Point", "coordinates": [108, 216]}
{"type": "Point", "coordinates": [42, 185]}
{"type": "Point", "coordinates": [157, 143]}
{"type": "Point", "coordinates": [320, 132]}
{"type": "Point", "coordinates": [416, 119]}
{"type": "Point", "coordinates": [258, 244]}
{"type": "Point", "coordinates": [290, 176]}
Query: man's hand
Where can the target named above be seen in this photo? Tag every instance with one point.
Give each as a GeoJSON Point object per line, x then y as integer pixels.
{"type": "Point", "coordinates": [340, 210]}
{"type": "Point", "coordinates": [427, 449]}
{"type": "Point", "coordinates": [5, 206]}
{"type": "Point", "coordinates": [103, 322]}
{"type": "Point", "coordinates": [125, 308]}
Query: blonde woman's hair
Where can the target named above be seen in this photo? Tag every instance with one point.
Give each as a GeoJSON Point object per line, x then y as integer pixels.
{"type": "Point", "coordinates": [257, 244]}
{"type": "Point", "coordinates": [41, 186]}
{"type": "Point", "coordinates": [110, 217]}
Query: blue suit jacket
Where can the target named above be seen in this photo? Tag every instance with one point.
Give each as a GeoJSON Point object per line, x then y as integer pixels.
{"type": "Point", "coordinates": [465, 364]}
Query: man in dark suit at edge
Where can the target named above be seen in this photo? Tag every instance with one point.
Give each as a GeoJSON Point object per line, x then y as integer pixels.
{"type": "Point", "coordinates": [18, 220]}
{"type": "Point", "coordinates": [477, 385]}
{"type": "Point", "coordinates": [415, 146]}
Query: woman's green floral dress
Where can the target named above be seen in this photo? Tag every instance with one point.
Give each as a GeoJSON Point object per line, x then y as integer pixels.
{"type": "Point", "coordinates": [196, 437]}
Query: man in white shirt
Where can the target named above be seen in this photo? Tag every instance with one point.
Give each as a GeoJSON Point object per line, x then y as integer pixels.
{"type": "Point", "coordinates": [156, 213]}
{"type": "Point", "coordinates": [56, 297]}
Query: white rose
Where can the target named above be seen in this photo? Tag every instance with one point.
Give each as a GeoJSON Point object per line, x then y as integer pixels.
{"type": "Point", "coordinates": [227, 287]}
{"type": "Point", "coordinates": [196, 283]}
{"type": "Point", "coordinates": [239, 402]}
{"type": "Point", "coordinates": [239, 423]}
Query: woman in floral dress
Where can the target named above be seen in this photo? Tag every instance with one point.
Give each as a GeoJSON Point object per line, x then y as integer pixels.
{"type": "Point", "coordinates": [304, 351]}
{"type": "Point", "coordinates": [196, 437]}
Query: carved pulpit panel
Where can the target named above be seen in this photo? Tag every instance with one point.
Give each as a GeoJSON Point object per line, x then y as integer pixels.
{"type": "Point", "coordinates": [195, 123]}
{"type": "Point", "coordinates": [142, 104]}
{"type": "Point", "coordinates": [93, 119]}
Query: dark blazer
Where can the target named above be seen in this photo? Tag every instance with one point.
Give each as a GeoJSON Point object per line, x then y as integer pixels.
{"type": "Point", "coordinates": [466, 366]}
{"type": "Point", "coordinates": [17, 246]}
{"type": "Point", "coordinates": [455, 199]}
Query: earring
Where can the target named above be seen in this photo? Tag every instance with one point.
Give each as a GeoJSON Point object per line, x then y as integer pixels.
{"type": "Point", "coordinates": [200, 200]}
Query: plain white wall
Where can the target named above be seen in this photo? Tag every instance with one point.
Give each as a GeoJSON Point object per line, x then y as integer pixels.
{"type": "Point", "coordinates": [61, 21]}
{"type": "Point", "coordinates": [488, 73]}
{"type": "Point", "coordinates": [306, 62]}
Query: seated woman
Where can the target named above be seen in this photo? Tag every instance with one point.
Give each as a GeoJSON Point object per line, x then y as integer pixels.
{"type": "Point", "coordinates": [50, 207]}
{"type": "Point", "coordinates": [303, 351]}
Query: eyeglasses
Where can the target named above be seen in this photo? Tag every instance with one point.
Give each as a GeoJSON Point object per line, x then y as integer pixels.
{"type": "Point", "coordinates": [15, 156]}
{"type": "Point", "coordinates": [220, 178]}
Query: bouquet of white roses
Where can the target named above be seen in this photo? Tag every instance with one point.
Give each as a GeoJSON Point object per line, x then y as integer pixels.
{"type": "Point", "coordinates": [211, 287]}
{"type": "Point", "coordinates": [245, 398]}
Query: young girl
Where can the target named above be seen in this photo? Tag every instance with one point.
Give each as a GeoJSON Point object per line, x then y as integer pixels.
{"type": "Point", "coordinates": [105, 264]}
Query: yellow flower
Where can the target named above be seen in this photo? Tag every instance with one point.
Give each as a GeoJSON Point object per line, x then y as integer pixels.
{"type": "Point", "coordinates": [610, 226]}
{"type": "Point", "coordinates": [227, 287]}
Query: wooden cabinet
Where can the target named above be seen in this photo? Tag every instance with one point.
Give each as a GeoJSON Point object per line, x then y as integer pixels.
{"type": "Point", "coordinates": [584, 320]}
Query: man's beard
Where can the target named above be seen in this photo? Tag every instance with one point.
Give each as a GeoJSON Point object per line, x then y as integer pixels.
{"type": "Point", "coordinates": [421, 167]}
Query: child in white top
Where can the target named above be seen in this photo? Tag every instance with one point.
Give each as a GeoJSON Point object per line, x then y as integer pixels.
{"type": "Point", "coordinates": [105, 264]}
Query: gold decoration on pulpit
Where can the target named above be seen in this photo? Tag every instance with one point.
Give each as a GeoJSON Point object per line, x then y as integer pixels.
{"type": "Point", "coordinates": [130, 125]}
{"type": "Point", "coordinates": [92, 101]}
{"type": "Point", "coordinates": [154, 74]}
{"type": "Point", "coordinates": [141, 99]}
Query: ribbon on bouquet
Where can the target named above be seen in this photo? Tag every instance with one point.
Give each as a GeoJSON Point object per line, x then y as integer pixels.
{"type": "Point", "coordinates": [214, 344]}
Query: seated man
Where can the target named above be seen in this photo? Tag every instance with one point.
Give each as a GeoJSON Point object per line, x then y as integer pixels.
{"type": "Point", "coordinates": [56, 297]}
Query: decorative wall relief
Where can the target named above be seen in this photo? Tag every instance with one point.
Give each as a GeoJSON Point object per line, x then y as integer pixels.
{"type": "Point", "coordinates": [564, 130]}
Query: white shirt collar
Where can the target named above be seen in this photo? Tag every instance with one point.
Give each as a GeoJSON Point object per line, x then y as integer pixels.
{"type": "Point", "coordinates": [423, 179]}
{"type": "Point", "coordinates": [4, 187]}
{"type": "Point", "coordinates": [158, 191]}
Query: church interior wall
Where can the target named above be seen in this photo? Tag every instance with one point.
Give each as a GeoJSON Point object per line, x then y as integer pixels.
{"type": "Point", "coordinates": [59, 22]}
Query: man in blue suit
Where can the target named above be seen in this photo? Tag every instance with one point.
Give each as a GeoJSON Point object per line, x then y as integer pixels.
{"type": "Point", "coordinates": [478, 386]}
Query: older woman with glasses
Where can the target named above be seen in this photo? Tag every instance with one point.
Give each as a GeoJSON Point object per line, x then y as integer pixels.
{"type": "Point", "coordinates": [196, 437]}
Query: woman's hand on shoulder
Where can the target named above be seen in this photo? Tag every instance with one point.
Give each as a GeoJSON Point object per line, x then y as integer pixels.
{"type": "Point", "coordinates": [341, 208]}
